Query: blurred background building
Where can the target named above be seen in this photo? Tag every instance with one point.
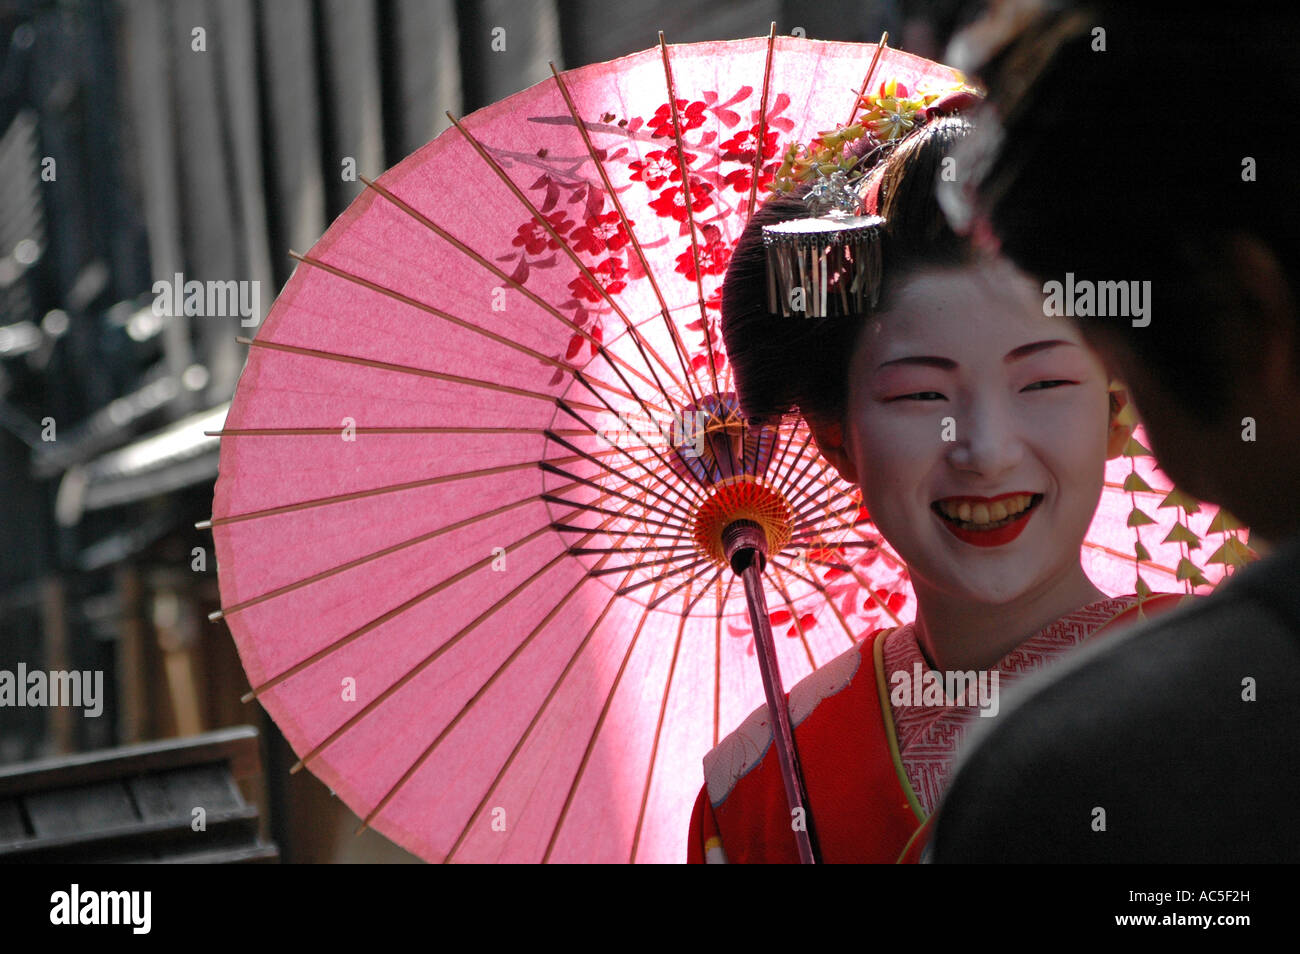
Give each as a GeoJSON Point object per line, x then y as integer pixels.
{"type": "Point", "coordinates": [145, 139]}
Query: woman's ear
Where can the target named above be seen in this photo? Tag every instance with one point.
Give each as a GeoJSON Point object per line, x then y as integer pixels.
{"type": "Point", "coordinates": [829, 436]}
{"type": "Point", "coordinates": [1121, 422]}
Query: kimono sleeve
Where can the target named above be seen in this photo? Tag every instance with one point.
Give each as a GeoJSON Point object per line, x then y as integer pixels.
{"type": "Point", "coordinates": [704, 843]}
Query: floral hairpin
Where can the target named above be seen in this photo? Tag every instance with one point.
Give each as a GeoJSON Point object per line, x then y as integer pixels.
{"type": "Point", "coordinates": [888, 114]}
{"type": "Point", "coordinates": [829, 264]}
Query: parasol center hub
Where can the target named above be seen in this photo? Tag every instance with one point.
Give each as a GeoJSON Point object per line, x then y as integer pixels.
{"type": "Point", "coordinates": [742, 513]}
{"type": "Point", "coordinates": [744, 542]}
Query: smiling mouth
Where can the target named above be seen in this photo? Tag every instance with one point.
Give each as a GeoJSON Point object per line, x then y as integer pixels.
{"type": "Point", "coordinates": [979, 516]}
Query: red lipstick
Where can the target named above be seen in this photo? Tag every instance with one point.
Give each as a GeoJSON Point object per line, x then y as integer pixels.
{"type": "Point", "coordinates": [996, 537]}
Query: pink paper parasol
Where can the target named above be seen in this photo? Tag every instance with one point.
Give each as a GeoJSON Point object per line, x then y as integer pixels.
{"type": "Point", "coordinates": [473, 479]}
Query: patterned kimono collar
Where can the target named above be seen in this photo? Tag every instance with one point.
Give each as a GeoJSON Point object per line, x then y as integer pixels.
{"type": "Point", "coordinates": [928, 734]}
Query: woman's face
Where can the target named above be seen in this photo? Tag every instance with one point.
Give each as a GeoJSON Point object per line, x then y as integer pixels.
{"type": "Point", "coordinates": [978, 428]}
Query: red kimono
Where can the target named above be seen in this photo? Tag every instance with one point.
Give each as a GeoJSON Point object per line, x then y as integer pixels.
{"type": "Point", "coordinates": [862, 803]}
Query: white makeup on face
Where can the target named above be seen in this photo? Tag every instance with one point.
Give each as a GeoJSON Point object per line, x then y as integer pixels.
{"type": "Point", "coordinates": [979, 431]}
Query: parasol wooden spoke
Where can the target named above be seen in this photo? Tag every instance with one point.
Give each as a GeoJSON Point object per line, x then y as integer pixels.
{"type": "Point", "coordinates": [659, 727]}
{"type": "Point", "coordinates": [596, 283]}
{"type": "Point", "coordinates": [420, 667]}
{"type": "Point", "coordinates": [685, 581]}
{"type": "Point", "coordinates": [803, 637]}
{"type": "Point", "coordinates": [780, 447]}
{"type": "Point", "coordinates": [888, 553]}
{"type": "Point", "coordinates": [614, 360]}
{"type": "Point", "coordinates": [216, 521]}
{"type": "Point", "coordinates": [502, 340]}
{"type": "Point", "coordinates": [591, 551]}
{"type": "Point", "coordinates": [632, 588]}
{"type": "Point", "coordinates": [661, 473]}
{"type": "Point", "coordinates": [633, 239]}
{"type": "Point", "coordinates": [226, 611]}
{"type": "Point", "coordinates": [815, 494]}
{"type": "Point", "coordinates": [721, 601]}
{"type": "Point", "coordinates": [1153, 492]}
{"type": "Point", "coordinates": [349, 638]}
{"type": "Point", "coordinates": [717, 573]}
{"type": "Point", "coordinates": [792, 562]}
{"type": "Point", "coordinates": [595, 733]}
{"type": "Point", "coordinates": [799, 484]}
{"type": "Point", "coordinates": [674, 485]}
{"type": "Point", "coordinates": [814, 517]}
{"type": "Point", "coordinates": [469, 704]}
{"type": "Point", "coordinates": [675, 541]}
{"type": "Point", "coordinates": [572, 528]}
{"type": "Point", "coordinates": [788, 461]}
{"type": "Point", "coordinates": [592, 508]}
{"type": "Point", "coordinates": [397, 430]}
{"type": "Point", "coordinates": [882, 546]}
{"type": "Point", "coordinates": [762, 124]}
{"type": "Point", "coordinates": [641, 564]}
{"type": "Point", "coordinates": [818, 560]}
{"type": "Point", "coordinates": [811, 556]}
{"type": "Point", "coordinates": [1129, 556]}
{"type": "Point", "coordinates": [682, 505]}
{"type": "Point", "coordinates": [378, 621]}
{"type": "Point", "coordinates": [408, 369]}
{"type": "Point", "coordinates": [527, 733]}
{"type": "Point", "coordinates": [806, 502]}
{"type": "Point", "coordinates": [866, 80]}
{"type": "Point", "coordinates": [822, 519]}
{"type": "Point", "coordinates": [465, 709]}
{"type": "Point", "coordinates": [690, 214]}
{"type": "Point", "coordinates": [820, 587]}
{"type": "Point", "coordinates": [653, 604]}
{"type": "Point", "coordinates": [836, 544]}
{"type": "Point", "coordinates": [693, 558]}
{"type": "Point", "coordinates": [687, 182]}
{"type": "Point", "coordinates": [552, 469]}
{"type": "Point", "coordinates": [870, 591]}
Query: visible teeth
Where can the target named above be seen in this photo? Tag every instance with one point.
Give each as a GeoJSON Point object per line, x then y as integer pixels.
{"type": "Point", "coordinates": [987, 513]}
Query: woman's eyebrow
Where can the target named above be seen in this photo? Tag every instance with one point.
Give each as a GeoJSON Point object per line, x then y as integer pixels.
{"type": "Point", "coordinates": [1034, 347]}
{"type": "Point", "coordinates": [947, 364]}
{"type": "Point", "coordinates": [926, 360]}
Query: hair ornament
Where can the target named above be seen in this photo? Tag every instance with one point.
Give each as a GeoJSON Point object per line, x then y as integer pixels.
{"type": "Point", "coordinates": [829, 264]}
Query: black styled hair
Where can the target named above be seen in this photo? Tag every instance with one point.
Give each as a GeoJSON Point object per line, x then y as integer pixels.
{"type": "Point", "coordinates": [1127, 154]}
{"type": "Point", "coordinates": [789, 363]}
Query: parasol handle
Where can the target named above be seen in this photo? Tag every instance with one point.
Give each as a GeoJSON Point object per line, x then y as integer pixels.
{"type": "Point", "coordinates": [746, 549]}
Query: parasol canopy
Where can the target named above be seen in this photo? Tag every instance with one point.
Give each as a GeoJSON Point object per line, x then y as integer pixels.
{"type": "Point", "coordinates": [474, 477]}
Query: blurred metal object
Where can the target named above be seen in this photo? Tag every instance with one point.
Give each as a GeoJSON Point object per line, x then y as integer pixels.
{"type": "Point", "coordinates": [107, 427]}
{"type": "Point", "coordinates": [175, 457]}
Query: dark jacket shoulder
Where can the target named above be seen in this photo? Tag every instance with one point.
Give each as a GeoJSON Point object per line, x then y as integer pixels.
{"type": "Point", "coordinates": [1173, 742]}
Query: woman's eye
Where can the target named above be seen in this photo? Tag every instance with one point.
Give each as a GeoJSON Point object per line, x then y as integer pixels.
{"type": "Point", "coordinates": [920, 396]}
{"type": "Point", "coordinates": [1042, 385]}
